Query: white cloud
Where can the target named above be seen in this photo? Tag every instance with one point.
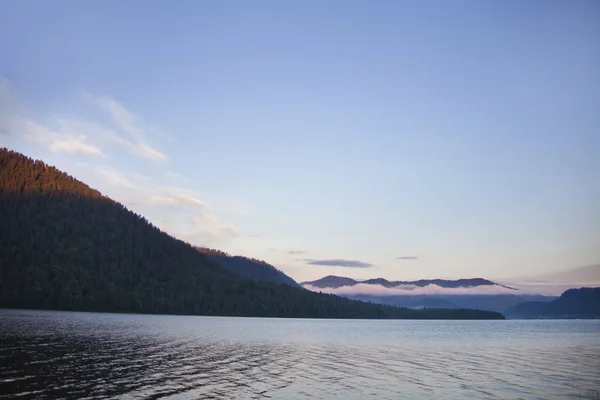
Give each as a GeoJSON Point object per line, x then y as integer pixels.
{"type": "Point", "coordinates": [60, 139]}
{"type": "Point", "coordinates": [73, 135]}
{"type": "Point", "coordinates": [548, 288]}
{"type": "Point", "coordinates": [380, 290]}
{"type": "Point", "coordinates": [56, 140]}
{"type": "Point", "coordinates": [113, 177]}
{"type": "Point", "coordinates": [75, 146]}
{"type": "Point", "coordinates": [208, 227]}
{"type": "Point", "coordinates": [132, 129]}
{"type": "Point", "coordinates": [202, 229]}
{"type": "Point", "coordinates": [178, 199]}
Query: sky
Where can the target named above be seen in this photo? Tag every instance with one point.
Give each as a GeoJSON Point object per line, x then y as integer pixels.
{"type": "Point", "coordinates": [395, 139]}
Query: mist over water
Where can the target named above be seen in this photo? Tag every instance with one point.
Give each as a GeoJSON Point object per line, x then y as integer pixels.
{"type": "Point", "coordinates": [87, 355]}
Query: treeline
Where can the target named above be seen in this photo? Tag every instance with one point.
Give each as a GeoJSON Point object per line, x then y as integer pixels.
{"type": "Point", "coordinates": [65, 246]}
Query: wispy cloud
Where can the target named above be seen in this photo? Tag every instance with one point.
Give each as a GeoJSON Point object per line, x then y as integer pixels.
{"type": "Point", "coordinates": [340, 263]}
{"type": "Point", "coordinates": [407, 258]}
{"type": "Point", "coordinates": [132, 130]}
{"type": "Point", "coordinates": [75, 146]}
{"type": "Point", "coordinates": [178, 200]}
{"type": "Point", "coordinates": [56, 140]}
{"type": "Point", "coordinates": [201, 229]}
{"type": "Point", "coordinates": [115, 178]}
{"type": "Point", "coordinates": [78, 136]}
{"type": "Point", "coordinates": [178, 211]}
{"type": "Point", "coordinates": [296, 252]}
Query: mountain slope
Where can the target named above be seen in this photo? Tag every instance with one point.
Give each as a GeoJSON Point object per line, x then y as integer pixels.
{"type": "Point", "coordinates": [574, 303]}
{"type": "Point", "coordinates": [249, 268]}
{"type": "Point", "coordinates": [65, 246]}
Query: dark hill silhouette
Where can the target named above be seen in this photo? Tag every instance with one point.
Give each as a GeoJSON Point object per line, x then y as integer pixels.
{"type": "Point", "coordinates": [573, 303]}
{"type": "Point", "coordinates": [249, 268]}
{"type": "Point", "coordinates": [66, 246]}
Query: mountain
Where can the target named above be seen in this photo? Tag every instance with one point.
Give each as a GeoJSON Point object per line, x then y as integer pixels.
{"type": "Point", "coordinates": [249, 268]}
{"type": "Point", "coordinates": [63, 245]}
{"type": "Point", "coordinates": [332, 281]}
{"type": "Point", "coordinates": [574, 303]}
{"type": "Point", "coordinates": [476, 293]}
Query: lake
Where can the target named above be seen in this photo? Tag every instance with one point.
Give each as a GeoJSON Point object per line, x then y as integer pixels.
{"type": "Point", "coordinates": [46, 354]}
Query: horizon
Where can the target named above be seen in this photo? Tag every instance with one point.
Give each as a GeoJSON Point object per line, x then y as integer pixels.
{"type": "Point", "coordinates": [404, 141]}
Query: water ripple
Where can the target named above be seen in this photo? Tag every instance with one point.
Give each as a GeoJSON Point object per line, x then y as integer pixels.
{"type": "Point", "coordinates": [81, 355]}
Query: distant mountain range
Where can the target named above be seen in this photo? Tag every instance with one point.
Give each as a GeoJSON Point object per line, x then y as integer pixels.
{"type": "Point", "coordinates": [475, 293]}
{"type": "Point", "coordinates": [332, 281]}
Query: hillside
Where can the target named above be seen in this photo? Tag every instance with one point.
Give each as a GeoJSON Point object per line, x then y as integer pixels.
{"type": "Point", "coordinates": [249, 268]}
{"type": "Point", "coordinates": [63, 245]}
{"type": "Point", "coordinates": [574, 303]}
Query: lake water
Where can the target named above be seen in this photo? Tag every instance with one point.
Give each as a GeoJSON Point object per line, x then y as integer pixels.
{"type": "Point", "coordinates": [88, 355]}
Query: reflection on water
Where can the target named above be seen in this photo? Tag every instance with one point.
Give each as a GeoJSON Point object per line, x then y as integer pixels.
{"type": "Point", "coordinates": [85, 355]}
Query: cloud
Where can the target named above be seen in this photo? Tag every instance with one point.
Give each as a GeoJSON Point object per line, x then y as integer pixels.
{"type": "Point", "coordinates": [113, 177]}
{"type": "Point", "coordinates": [380, 290]}
{"type": "Point", "coordinates": [178, 200]}
{"type": "Point", "coordinates": [75, 146]}
{"type": "Point", "coordinates": [407, 258]}
{"type": "Point", "coordinates": [340, 263]}
{"type": "Point", "coordinates": [132, 128]}
{"type": "Point", "coordinates": [208, 230]}
{"type": "Point", "coordinates": [78, 136]}
{"type": "Point", "coordinates": [547, 288]}
{"type": "Point", "coordinates": [296, 252]}
{"type": "Point", "coordinates": [57, 140]}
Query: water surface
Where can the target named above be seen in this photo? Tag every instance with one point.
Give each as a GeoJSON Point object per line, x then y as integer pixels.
{"type": "Point", "coordinates": [47, 354]}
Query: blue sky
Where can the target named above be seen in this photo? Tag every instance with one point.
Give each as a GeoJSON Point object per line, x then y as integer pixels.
{"type": "Point", "coordinates": [410, 139]}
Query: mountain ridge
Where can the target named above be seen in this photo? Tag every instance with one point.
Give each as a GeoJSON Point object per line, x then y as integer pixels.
{"type": "Point", "coordinates": [65, 246]}
{"type": "Point", "coordinates": [332, 281]}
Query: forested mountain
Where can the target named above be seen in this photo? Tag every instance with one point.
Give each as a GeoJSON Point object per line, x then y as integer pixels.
{"type": "Point", "coordinates": [245, 267]}
{"type": "Point", "coordinates": [65, 246]}
{"type": "Point", "coordinates": [574, 303]}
